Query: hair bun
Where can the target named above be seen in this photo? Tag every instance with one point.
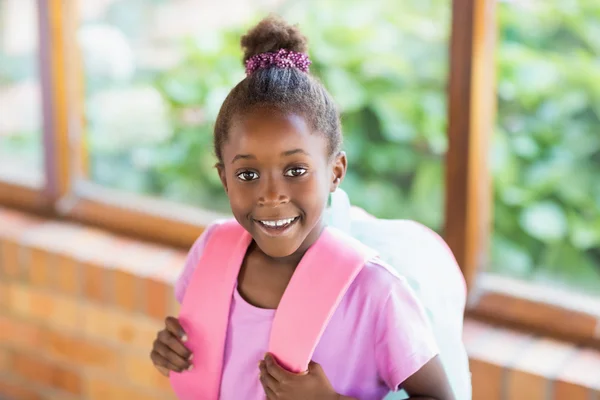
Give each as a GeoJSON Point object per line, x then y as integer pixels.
{"type": "Point", "coordinates": [271, 34]}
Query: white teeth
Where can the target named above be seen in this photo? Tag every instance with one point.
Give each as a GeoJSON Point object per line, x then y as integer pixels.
{"type": "Point", "coordinates": [278, 223]}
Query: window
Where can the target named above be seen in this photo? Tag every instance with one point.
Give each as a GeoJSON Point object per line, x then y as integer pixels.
{"type": "Point", "coordinates": [156, 74]}
{"type": "Point", "coordinates": [129, 91]}
{"type": "Point", "coordinates": [151, 92]}
{"type": "Point", "coordinates": [20, 94]}
{"type": "Point", "coordinates": [546, 150]}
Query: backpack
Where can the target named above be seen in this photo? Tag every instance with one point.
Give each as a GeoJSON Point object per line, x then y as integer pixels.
{"type": "Point", "coordinates": [299, 321]}
{"type": "Point", "coordinates": [415, 252]}
{"type": "Point", "coordinates": [423, 258]}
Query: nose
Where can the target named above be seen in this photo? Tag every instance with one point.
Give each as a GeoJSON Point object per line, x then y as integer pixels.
{"type": "Point", "coordinates": [272, 193]}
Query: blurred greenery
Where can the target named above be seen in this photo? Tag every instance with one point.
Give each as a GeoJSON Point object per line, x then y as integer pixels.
{"type": "Point", "coordinates": [546, 148]}
{"type": "Point", "coordinates": [386, 64]}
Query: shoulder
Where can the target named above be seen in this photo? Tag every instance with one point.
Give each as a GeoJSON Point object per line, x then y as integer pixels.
{"type": "Point", "coordinates": [193, 257]}
{"type": "Point", "coordinates": [378, 280]}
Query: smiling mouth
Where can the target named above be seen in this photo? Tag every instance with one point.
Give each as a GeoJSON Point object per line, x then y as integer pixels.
{"type": "Point", "coordinates": [277, 226]}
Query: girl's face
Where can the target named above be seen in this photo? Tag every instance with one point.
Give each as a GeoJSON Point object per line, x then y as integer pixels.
{"type": "Point", "coordinates": [278, 176]}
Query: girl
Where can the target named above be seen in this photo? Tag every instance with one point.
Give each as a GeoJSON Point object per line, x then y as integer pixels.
{"type": "Point", "coordinates": [277, 139]}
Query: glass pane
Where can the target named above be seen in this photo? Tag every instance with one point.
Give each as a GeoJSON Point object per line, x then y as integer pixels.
{"type": "Point", "coordinates": [546, 150]}
{"type": "Point", "coordinates": [150, 111]}
{"type": "Point", "coordinates": [20, 94]}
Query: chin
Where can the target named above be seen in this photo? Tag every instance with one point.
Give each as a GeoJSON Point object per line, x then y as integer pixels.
{"type": "Point", "coordinates": [275, 248]}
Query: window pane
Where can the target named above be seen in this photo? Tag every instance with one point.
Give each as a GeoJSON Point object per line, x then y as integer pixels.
{"type": "Point", "coordinates": [546, 151]}
{"type": "Point", "coordinates": [150, 111]}
{"type": "Point", "coordinates": [20, 94]}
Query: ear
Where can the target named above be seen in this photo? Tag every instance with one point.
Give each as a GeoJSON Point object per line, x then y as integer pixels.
{"type": "Point", "coordinates": [222, 175]}
{"type": "Point", "coordinates": [339, 167]}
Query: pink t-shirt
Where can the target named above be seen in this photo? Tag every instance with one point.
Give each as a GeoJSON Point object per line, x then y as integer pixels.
{"type": "Point", "coordinates": [378, 336]}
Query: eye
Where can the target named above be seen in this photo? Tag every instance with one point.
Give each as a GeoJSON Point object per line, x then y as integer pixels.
{"type": "Point", "coordinates": [247, 176]}
{"type": "Point", "coordinates": [295, 172]}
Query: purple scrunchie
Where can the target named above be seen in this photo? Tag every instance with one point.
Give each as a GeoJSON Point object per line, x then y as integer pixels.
{"type": "Point", "coordinates": [281, 59]}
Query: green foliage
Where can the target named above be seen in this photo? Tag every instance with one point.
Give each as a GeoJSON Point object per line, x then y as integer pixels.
{"type": "Point", "coordinates": [546, 149]}
{"type": "Point", "coordinates": [386, 63]}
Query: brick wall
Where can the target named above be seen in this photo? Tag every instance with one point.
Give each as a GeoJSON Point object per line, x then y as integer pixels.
{"type": "Point", "coordinates": [79, 309]}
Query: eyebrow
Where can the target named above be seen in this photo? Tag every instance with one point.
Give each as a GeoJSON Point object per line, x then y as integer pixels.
{"type": "Point", "coordinates": [253, 157]}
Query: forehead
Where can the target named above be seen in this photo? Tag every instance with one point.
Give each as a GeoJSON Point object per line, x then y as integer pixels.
{"type": "Point", "coordinates": [266, 131]}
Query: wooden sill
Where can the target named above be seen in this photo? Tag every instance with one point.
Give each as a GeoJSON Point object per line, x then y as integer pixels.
{"type": "Point", "coordinates": [134, 215]}
{"type": "Point", "coordinates": [25, 197]}
{"type": "Point", "coordinates": [536, 309]}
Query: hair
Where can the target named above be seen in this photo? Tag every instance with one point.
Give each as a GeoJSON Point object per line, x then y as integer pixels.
{"type": "Point", "coordinates": [281, 89]}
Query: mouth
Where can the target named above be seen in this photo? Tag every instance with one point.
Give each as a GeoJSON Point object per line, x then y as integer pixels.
{"type": "Point", "coordinates": [277, 227]}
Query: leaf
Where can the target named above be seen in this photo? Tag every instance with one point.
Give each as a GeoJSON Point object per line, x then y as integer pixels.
{"type": "Point", "coordinates": [545, 221]}
{"type": "Point", "coordinates": [427, 194]}
{"type": "Point", "coordinates": [347, 92]}
{"type": "Point", "coordinates": [510, 258]}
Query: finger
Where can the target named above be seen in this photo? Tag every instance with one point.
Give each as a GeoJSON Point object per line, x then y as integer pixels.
{"type": "Point", "coordinates": [276, 371]}
{"type": "Point", "coordinates": [314, 368]}
{"type": "Point", "coordinates": [163, 371]}
{"type": "Point", "coordinates": [269, 390]}
{"type": "Point", "coordinates": [270, 394]}
{"type": "Point", "coordinates": [162, 364]}
{"type": "Point", "coordinates": [175, 328]}
{"type": "Point", "coordinates": [174, 344]}
{"type": "Point", "coordinates": [267, 379]}
{"type": "Point", "coordinates": [172, 357]}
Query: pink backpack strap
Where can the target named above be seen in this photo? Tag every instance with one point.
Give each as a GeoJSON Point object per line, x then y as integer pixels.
{"type": "Point", "coordinates": [312, 296]}
{"type": "Point", "coordinates": [204, 312]}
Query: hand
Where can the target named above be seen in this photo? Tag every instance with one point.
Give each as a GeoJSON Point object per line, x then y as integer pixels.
{"type": "Point", "coordinates": [280, 384]}
{"type": "Point", "coordinates": [168, 351]}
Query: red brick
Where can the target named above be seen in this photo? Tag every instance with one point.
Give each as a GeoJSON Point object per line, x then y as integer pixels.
{"type": "Point", "coordinates": [36, 370]}
{"type": "Point", "coordinates": [125, 288]}
{"type": "Point", "coordinates": [37, 267]}
{"type": "Point", "coordinates": [80, 352]}
{"type": "Point", "coordinates": [486, 380]}
{"type": "Point", "coordinates": [67, 275]}
{"type": "Point", "coordinates": [174, 305]}
{"type": "Point", "coordinates": [9, 260]}
{"type": "Point", "coordinates": [99, 388]}
{"type": "Point", "coordinates": [19, 334]}
{"type": "Point", "coordinates": [12, 390]}
{"type": "Point", "coordinates": [4, 296]}
{"type": "Point", "coordinates": [570, 391]}
{"type": "Point", "coordinates": [94, 282]}
{"type": "Point", "coordinates": [140, 371]}
{"type": "Point", "coordinates": [5, 360]}
{"type": "Point", "coordinates": [56, 395]}
{"type": "Point", "coordinates": [157, 299]}
{"type": "Point", "coordinates": [54, 309]}
{"type": "Point", "coordinates": [535, 368]}
{"type": "Point", "coordinates": [114, 325]}
{"type": "Point", "coordinates": [522, 385]}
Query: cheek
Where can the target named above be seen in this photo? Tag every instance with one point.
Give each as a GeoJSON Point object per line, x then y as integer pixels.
{"type": "Point", "coordinates": [240, 196]}
{"type": "Point", "coordinates": [313, 193]}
